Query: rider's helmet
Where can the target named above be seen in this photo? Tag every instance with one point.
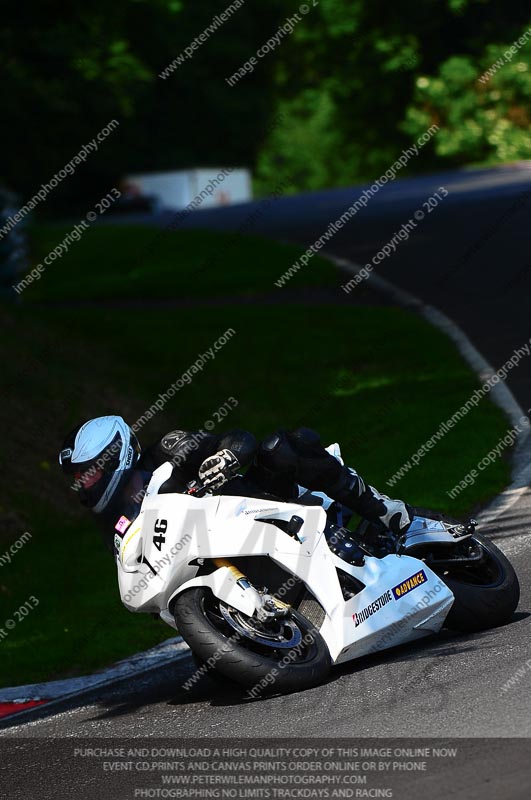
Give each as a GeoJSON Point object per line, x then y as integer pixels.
{"type": "Point", "coordinates": [99, 454]}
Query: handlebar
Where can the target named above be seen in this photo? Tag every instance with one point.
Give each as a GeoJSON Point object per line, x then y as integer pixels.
{"type": "Point", "coordinates": [196, 488]}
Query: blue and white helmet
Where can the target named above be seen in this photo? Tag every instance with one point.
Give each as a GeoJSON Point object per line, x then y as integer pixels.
{"type": "Point", "coordinates": [99, 454]}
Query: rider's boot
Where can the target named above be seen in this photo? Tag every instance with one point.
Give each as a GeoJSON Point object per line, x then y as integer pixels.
{"type": "Point", "coordinates": [350, 490]}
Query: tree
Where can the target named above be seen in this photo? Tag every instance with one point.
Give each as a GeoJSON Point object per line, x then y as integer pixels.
{"type": "Point", "coordinates": [480, 104]}
{"type": "Point", "coordinates": [362, 62]}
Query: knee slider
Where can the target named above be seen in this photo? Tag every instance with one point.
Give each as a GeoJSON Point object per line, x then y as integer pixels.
{"type": "Point", "coordinates": [276, 455]}
{"type": "Point", "coordinates": [271, 443]}
{"type": "Point", "coordinates": [306, 442]}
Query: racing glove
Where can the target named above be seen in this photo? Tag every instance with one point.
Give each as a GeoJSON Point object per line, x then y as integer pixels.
{"type": "Point", "coordinates": [216, 470]}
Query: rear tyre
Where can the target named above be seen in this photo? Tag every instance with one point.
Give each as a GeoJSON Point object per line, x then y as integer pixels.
{"type": "Point", "coordinates": [486, 593]}
{"type": "Point", "coordinates": [243, 654]}
{"type": "Point", "coordinates": [483, 599]}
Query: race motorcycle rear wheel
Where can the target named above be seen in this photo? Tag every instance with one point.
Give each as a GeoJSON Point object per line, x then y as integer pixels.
{"type": "Point", "coordinates": [280, 655]}
{"type": "Point", "coordinates": [486, 590]}
{"type": "Point", "coordinates": [486, 594]}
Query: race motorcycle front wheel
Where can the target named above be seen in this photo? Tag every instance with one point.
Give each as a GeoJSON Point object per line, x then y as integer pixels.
{"type": "Point", "coordinates": [280, 654]}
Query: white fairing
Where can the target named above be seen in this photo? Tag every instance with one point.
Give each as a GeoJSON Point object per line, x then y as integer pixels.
{"type": "Point", "coordinates": [402, 599]}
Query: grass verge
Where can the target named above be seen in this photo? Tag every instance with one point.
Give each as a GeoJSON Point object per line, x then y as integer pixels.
{"type": "Point", "coordinates": [129, 262]}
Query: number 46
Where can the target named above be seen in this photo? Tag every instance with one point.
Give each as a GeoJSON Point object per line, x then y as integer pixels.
{"type": "Point", "coordinates": [161, 526]}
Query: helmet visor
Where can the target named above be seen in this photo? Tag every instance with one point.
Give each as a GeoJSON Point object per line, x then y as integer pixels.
{"type": "Point", "coordinates": [89, 477]}
{"type": "Point", "coordinates": [92, 477]}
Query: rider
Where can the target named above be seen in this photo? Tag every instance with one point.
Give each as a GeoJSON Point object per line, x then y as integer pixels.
{"type": "Point", "coordinates": [111, 473]}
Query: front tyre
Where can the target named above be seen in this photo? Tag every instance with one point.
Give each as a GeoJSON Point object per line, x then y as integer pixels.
{"type": "Point", "coordinates": [282, 654]}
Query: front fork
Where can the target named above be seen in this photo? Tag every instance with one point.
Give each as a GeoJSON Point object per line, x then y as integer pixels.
{"type": "Point", "coordinates": [239, 577]}
{"type": "Point", "coordinates": [267, 606]}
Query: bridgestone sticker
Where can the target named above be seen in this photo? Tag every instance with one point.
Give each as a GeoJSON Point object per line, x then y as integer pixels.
{"type": "Point", "coordinates": [372, 608]}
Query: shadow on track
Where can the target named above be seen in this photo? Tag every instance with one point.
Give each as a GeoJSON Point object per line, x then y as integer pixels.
{"type": "Point", "coordinates": [422, 671]}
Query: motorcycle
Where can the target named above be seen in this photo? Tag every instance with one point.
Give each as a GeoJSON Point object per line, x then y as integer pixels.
{"type": "Point", "coordinates": [271, 594]}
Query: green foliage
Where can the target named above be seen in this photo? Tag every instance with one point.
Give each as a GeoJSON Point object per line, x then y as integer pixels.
{"type": "Point", "coordinates": [302, 150]}
{"type": "Point", "coordinates": [481, 106]}
{"type": "Point", "coordinates": [384, 74]}
{"type": "Point", "coordinates": [355, 81]}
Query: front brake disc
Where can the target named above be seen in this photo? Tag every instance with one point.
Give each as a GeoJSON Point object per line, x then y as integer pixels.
{"type": "Point", "coordinates": [288, 635]}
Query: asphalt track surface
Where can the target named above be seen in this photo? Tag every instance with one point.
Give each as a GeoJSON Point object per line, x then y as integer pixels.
{"type": "Point", "coordinates": [470, 258]}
